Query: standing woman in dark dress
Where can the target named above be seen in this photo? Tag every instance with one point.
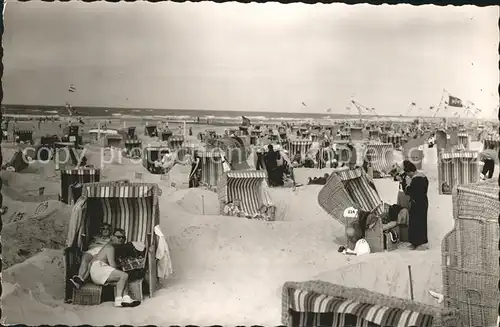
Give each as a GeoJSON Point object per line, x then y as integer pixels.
{"type": "Point", "coordinates": [195, 174]}
{"type": "Point", "coordinates": [416, 188]}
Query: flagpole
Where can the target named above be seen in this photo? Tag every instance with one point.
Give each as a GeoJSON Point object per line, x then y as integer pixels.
{"type": "Point", "coordinates": [439, 106]}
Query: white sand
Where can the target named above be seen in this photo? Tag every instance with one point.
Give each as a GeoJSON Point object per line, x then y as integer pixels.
{"type": "Point", "coordinates": [227, 271]}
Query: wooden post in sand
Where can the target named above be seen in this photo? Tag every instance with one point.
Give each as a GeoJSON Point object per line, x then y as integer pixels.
{"type": "Point", "coordinates": [411, 282]}
{"type": "Point", "coordinates": [124, 124]}
{"type": "Point", "coordinates": [202, 205]}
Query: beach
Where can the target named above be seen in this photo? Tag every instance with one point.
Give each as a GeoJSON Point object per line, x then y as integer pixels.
{"type": "Point", "coordinates": [226, 270]}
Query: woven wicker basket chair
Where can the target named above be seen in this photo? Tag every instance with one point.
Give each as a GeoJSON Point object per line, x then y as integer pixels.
{"type": "Point", "coordinates": [318, 303]}
{"type": "Point", "coordinates": [133, 148]}
{"type": "Point", "coordinates": [211, 168]}
{"type": "Point", "coordinates": [470, 254]}
{"type": "Point", "coordinates": [114, 140]}
{"type": "Point", "coordinates": [70, 177]}
{"type": "Point", "coordinates": [352, 188]}
{"type": "Point", "coordinates": [300, 146]}
{"type": "Point", "coordinates": [457, 168]}
{"type": "Point", "coordinates": [249, 188]}
{"type": "Point", "coordinates": [494, 140]}
{"type": "Point", "coordinates": [150, 130]}
{"type": "Point", "coordinates": [131, 206]}
{"type": "Point", "coordinates": [175, 142]}
{"type": "Point", "coordinates": [150, 155]}
{"type": "Point", "coordinates": [66, 155]}
{"type": "Point", "coordinates": [381, 156]}
{"type": "Point", "coordinates": [166, 134]}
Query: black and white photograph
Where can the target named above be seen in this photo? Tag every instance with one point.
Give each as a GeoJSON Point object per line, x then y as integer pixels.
{"type": "Point", "coordinates": [250, 164]}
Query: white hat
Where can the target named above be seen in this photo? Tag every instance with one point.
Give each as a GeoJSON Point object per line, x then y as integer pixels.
{"type": "Point", "coordinates": [350, 212]}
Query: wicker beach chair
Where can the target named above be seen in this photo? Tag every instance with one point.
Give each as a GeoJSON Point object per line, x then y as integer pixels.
{"type": "Point", "coordinates": [470, 254]}
{"type": "Point", "coordinates": [176, 142]}
{"type": "Point", "coordinates": [66, 155]}
{"type": "Point", "coordinates": [380, 156]}
{"type": "Point", "coordinates": [352, 188]}
{"type": "Point", "coordinates": [25, 136]}
{"type": "Point", "coordinates": [150, 155]}
{"type": "Point", "coordinates": [211, 168]}
{"type": "Point", "coordinates": [133, 148]}
{"type": "Point", "coordinates": [356, 133]}
{"type": "Point", "coordinates": [491, 140]}
{"type": "Point", "coordinates": [131, 206]}
{"type": "Point", "coordinates": [150, 130]}
{"type": "Point", "coordinates": [318, 303]}
{"type": "Point", "coordinates": [114, 140]}
{"type": "Point", "coordinates": [457, 168]}
{"type": "Point", "coordinates": [248, 187]}
{"type": "Point", "coordinates": [300, 146]}
{"type": "Point", "coordinates": [166, 134]}
{"type": "Point", "coordinates": [70, 177]}
{"type": "Point", "coordinates": [395, 139]}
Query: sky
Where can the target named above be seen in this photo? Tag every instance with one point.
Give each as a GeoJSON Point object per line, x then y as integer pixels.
{"type": "Point", "coordinates": [249, 57]}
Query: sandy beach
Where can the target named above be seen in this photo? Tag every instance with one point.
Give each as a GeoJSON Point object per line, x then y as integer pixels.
{"type": "Point", "coordinates": [227, 270]}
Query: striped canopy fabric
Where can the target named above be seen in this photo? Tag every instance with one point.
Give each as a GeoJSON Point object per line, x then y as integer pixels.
{"type": "Point", "coordinates": [131, 206]}
{"type": "Point", "coordinates": [491, 140]}
{"type": "Point", "coordinates": [249, 187]}
{"type": "Point", "coordinates": [395, 139]}
{"type": "Point", "coordinates": [312, 309]}
{"type": "Point", "coordinates": [457, 168]}
{"type": "Point", "coordinates": [130, 144]}
{"type": "Point", "coordinates": [381, 156]}
{"type": "Point", "coordinates": [24, 136]}
{"type": "Point", "coordinates": [211, 167]}
{"type": "Point", "coordinates": [175, 141]}
{"type": "Point", "coordinates": [165, 135]}
{"type": "Point", "coordinates": [300, 146]}
{"type": "Point", "coordinates": [73, 176]}
{"type": "Point", "coordinates": [345, 136]}
{"type": "Point", "coordinates": [361, 190]}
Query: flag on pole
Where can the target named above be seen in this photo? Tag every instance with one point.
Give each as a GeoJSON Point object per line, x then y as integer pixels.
{"type": "Point", "coordinates": [413, 104]}
{"type": "Point", "coordinates": [72, 88]}
{"type": "Point", "coordinates": [305, 105]}
{"type": "Point", "coordinates": [454, 101]}
{"type": "Point", "coordinates": [329, 110]}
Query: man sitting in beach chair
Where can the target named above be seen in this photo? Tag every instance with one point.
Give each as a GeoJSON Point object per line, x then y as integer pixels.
{"type": "Point", "coordinates": [99, 262]}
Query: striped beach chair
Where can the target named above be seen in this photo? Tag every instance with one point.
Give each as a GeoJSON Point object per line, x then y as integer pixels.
{"type": "Point", "coordinates": [132, 144]}
{"type": "Point", "coordinates": [318, 303]}
{"type": "Point", "coordinates": [383, 137]}
{"type": "Point", "coordinates": [150, 130]}
{"type": "Point", "coordinates": [175, 142]}
{"type": "Point", "coordinates": [300, 146]}
{"type": "Point", "coordinates": [457, 168]}
{"type": "Point", "coordinates": [344, 136]}
{"type": "Point", "coordinates": [113, 141]}
{"type": "Point", "coordinates": [463, 139]}
{"type": "Point", "coordinates": [380, 156]}
{"type": "Point", "coordinates": [250, 188]}
{"type": "Point", "coordinates": [150, 155]}
{"type": "Point", "coordinates": [211, 168]}
{"type": "Point", "coordinates": [356, 133]}
{"type": "Point", "coordinates": [165, 135]}
{"type": "Point", "coordinates": [395, 139]}
{"type": "Point", "coordinates": [69, 177]}
{"type": "Point", "coordinates": [491, 140]}
{"type": "Point", "coordinates": [374, 134]}
{"type": "Point", "coordinates": [243, 130]}
{"type": "Point", "coordinates": [352, 188]}
{"type": "Point", "coordinates": [24, 136]}
{"type": "Point", "coordinates": [66, 156]}
{"type": "Point", "coordinates": [131, 206]}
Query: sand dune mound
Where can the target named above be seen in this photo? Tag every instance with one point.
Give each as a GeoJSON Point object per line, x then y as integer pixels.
{"type": "Point", "coordinates": [387, 273]}
{"type": "Point", "coordinates": [198, 201]}
{"type": "Point", "coordinates": [24, 187]}
{"type": "Point", "coordinates": [45, 228]}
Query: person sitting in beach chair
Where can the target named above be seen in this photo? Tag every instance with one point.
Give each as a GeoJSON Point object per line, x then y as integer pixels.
{"type": "Point", "coordinates": [297, 159]}
{"type": "Point", "coordinates": [103, 267]}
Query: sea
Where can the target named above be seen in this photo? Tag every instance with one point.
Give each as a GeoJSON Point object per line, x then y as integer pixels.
{"type": "Point", "coordinates": [188, 115]}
